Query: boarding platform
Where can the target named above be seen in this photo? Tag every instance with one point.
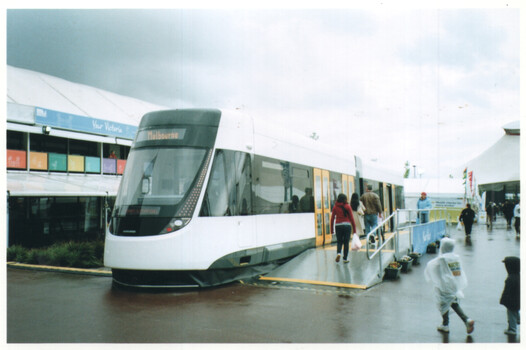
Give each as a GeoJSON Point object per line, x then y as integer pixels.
{"type": "Point", "coordinates": [317, 266]}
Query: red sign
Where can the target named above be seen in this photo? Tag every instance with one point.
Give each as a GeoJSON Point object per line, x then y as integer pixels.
{"type": "Point", "coordinates": [16, 159]}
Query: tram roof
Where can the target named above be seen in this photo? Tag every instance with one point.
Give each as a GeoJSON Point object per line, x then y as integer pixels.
{"type": "Point", "coordinates": [273, 141]}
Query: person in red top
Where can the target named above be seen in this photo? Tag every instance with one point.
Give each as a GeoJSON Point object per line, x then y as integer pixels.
{"type": "Point", "coordinates": [342, 219]}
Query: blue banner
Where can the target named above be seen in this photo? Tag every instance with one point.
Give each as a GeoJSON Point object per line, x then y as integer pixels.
{"type": "Point", "coordinates": [427, 233]}
{"type": "Point", "coordinates": [86, 124]}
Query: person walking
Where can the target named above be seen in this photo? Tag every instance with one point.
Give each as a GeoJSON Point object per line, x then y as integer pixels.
{"type": "Point", "coordinates": [424, 203]}
{"type": "Point", "coordinates": [448, 279]}
{"type": "Point", "coordinates": [511, 295]}
{"type": "Point", "coordinates": [490, 214]}
{"type": "Point", "coordinates": [373, 210]}
{"type": "Point", "coordinates": [358, 212]}
{"type": "Point", "coordinates": [467, 217]}
{"type": "Point", "coordinates": [342, 220]}
{"type": "Point", "coordinates": [517, 215]}
{"type": "Point", "coordinates": [507, 209]}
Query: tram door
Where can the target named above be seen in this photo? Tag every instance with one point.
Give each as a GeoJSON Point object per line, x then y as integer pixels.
{"type": "Point", "coordinates": [322, 207]}
{"type": "Point", "coordinates": [392, 199]}
{"type": "Point", "coordinates": [345, 185]}
{"type": "Point", "coordinates": [388, 206]}
{"type": "Point", "coordinates": [348, 186]}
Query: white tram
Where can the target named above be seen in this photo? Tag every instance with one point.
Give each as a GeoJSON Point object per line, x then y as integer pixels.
{"type": "Point", "coordinates": [209, 196]}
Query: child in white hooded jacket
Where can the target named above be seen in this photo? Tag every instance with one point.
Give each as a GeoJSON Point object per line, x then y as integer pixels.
{"type": "Point", "coordinates": [449, 279]}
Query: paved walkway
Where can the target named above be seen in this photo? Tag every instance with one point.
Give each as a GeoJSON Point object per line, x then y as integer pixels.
{"type": "Point", "coordinates": [317, 266]}
{"type": "Point", "coordinates": [404, 310]}
{"type": "Point", "coordinates": [482, 260]}
{"type": "Point", "coordinates": [400, 311]}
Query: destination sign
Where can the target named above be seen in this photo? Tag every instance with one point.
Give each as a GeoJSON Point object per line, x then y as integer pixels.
{"type": "Point", "coordinates": [143, 211]}
{"type": "Point", "coordinates": [161, 134]}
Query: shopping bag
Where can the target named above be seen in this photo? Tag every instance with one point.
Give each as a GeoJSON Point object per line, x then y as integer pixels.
{"type": "Point", "coordinates": [356, 244]}
{"type": "Point", "coordinates": [459, 226]}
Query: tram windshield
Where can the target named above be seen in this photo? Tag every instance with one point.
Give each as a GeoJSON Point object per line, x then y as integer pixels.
{"type": "Point", "coordinates": [157, 179]}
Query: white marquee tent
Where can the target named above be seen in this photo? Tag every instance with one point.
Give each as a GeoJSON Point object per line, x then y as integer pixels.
{"type": "Point", "coordinates": [501, 162]}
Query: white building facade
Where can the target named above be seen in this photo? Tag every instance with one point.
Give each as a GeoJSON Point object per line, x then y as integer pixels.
{"type": "Point", "coordinates": [66, 149]}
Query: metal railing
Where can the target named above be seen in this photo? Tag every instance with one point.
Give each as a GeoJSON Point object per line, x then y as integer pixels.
{"type": "Point", "coordinates": [408, 224]}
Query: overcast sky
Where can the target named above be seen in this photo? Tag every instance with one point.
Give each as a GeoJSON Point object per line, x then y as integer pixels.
{"type": "Point", "coordinates": [430, 86]}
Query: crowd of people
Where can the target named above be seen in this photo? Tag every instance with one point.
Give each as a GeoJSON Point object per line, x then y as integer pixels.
{"type": "Point", "coordinates": [510, 211]}
{"type": "Point", "coordinates": [360, 218]}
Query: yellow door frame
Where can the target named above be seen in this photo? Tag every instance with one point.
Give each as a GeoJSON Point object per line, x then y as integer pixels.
{"type": "Point", "coordinates": [326, 193]}
{"type": "Point", "coordinates": [318, 210]}
{"type": "Point", "coordinates": [322, 209]}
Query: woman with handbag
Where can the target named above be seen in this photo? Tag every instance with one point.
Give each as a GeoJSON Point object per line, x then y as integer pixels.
{"type": "Point", "coordinates": [358, 211]}
{"type": "Point", "coordinates": [343, 221]}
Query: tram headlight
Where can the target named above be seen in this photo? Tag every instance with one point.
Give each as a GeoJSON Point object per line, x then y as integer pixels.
{"type": "Point", "coordinates": [175, 224]}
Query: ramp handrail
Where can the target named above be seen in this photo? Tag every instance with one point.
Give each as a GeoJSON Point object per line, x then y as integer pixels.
{"type": "Point", "coordinates": [379, 226]}
{"type": "Point", "coordinates": [383, 243]}
{"type": "Point", "coordinates": [396, 233]}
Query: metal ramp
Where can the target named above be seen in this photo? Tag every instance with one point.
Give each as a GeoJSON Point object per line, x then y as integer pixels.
{"type": "Point", "coordinates": [317, 266]}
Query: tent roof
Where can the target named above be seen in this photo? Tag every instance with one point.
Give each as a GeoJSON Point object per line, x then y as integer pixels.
{"type": "Point", "coordinates": [30, 88]}
{"type": "Point", "coordinates": [499, 163]}
{"type": "Point", "coordinates": [513, 128]}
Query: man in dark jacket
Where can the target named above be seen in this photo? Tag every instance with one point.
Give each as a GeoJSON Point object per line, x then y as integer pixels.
{"type": "Point", "coordinates": [511, 295]}
{"type": "Point", "coordinates": [467, 216]}
{"type": "Point", "coordinates": [508, 212]}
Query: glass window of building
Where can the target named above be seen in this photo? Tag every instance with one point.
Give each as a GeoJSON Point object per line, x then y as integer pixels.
{"type": "Point", "coordinates": [46, 143]}
{"type": "Point", "coordinates": [16, 140]}
{"type": "Point", "coordinates": [84, 148]}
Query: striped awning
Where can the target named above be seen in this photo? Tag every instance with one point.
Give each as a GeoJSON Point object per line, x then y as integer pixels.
{"type": "Point", "coordinates": [51, 185]}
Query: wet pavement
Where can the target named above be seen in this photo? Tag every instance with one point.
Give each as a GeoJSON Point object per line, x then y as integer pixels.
{"type": "Point", "coordinates": [364, 270]}
{"type": "Point", "coordinates": [53, 307]}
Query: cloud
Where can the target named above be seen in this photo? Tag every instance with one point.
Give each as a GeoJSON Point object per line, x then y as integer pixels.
{"type": "Point", "coordinates": [394, 85]}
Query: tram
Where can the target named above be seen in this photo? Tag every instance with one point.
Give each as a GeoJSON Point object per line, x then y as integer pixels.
{"type": "Point", "coordinates": [210, 196]}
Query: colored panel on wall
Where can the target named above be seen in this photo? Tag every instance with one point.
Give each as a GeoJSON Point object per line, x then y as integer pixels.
{"type": "Point", "coordinates": [76, 163]}
{"type": "Point", "coordinates": [109, 166]}
{"type": "Point", "coordinates": [92, 164]}
{"type": "Point", "coordinates": [16, 159]}
{"type": "Point", "coordinates": [121, 164]}
{"type": "Point", "coordinates": [38, 161]}
{"type": "Point", "coordinates": [57, 162]}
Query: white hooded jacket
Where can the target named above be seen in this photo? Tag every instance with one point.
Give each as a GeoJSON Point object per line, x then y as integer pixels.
{"type": "Point", "coordinates": [447, 276]}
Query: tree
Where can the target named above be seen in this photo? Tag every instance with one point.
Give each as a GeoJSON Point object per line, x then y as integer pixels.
{"type": "Point", "coordinates": [407, 170]}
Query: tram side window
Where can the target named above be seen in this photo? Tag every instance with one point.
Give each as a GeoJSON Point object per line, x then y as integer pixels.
{"type": "Point", "coordinates": [302, 188]}
{"type": "Point", "coordinates": [375, 185]}
{"type": "Point", "coordinates": [228, 190]}
{"type": "Point", "coordinates": [270, 191]}
{"type": "Point", "coordinates": [244, 183]}
{"type": "Point", "coordinates": [399, 197]}
{"type": "Point", "coordinates": [281, 187]}
{"type": "Point", "coordinates": [336, 187]}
